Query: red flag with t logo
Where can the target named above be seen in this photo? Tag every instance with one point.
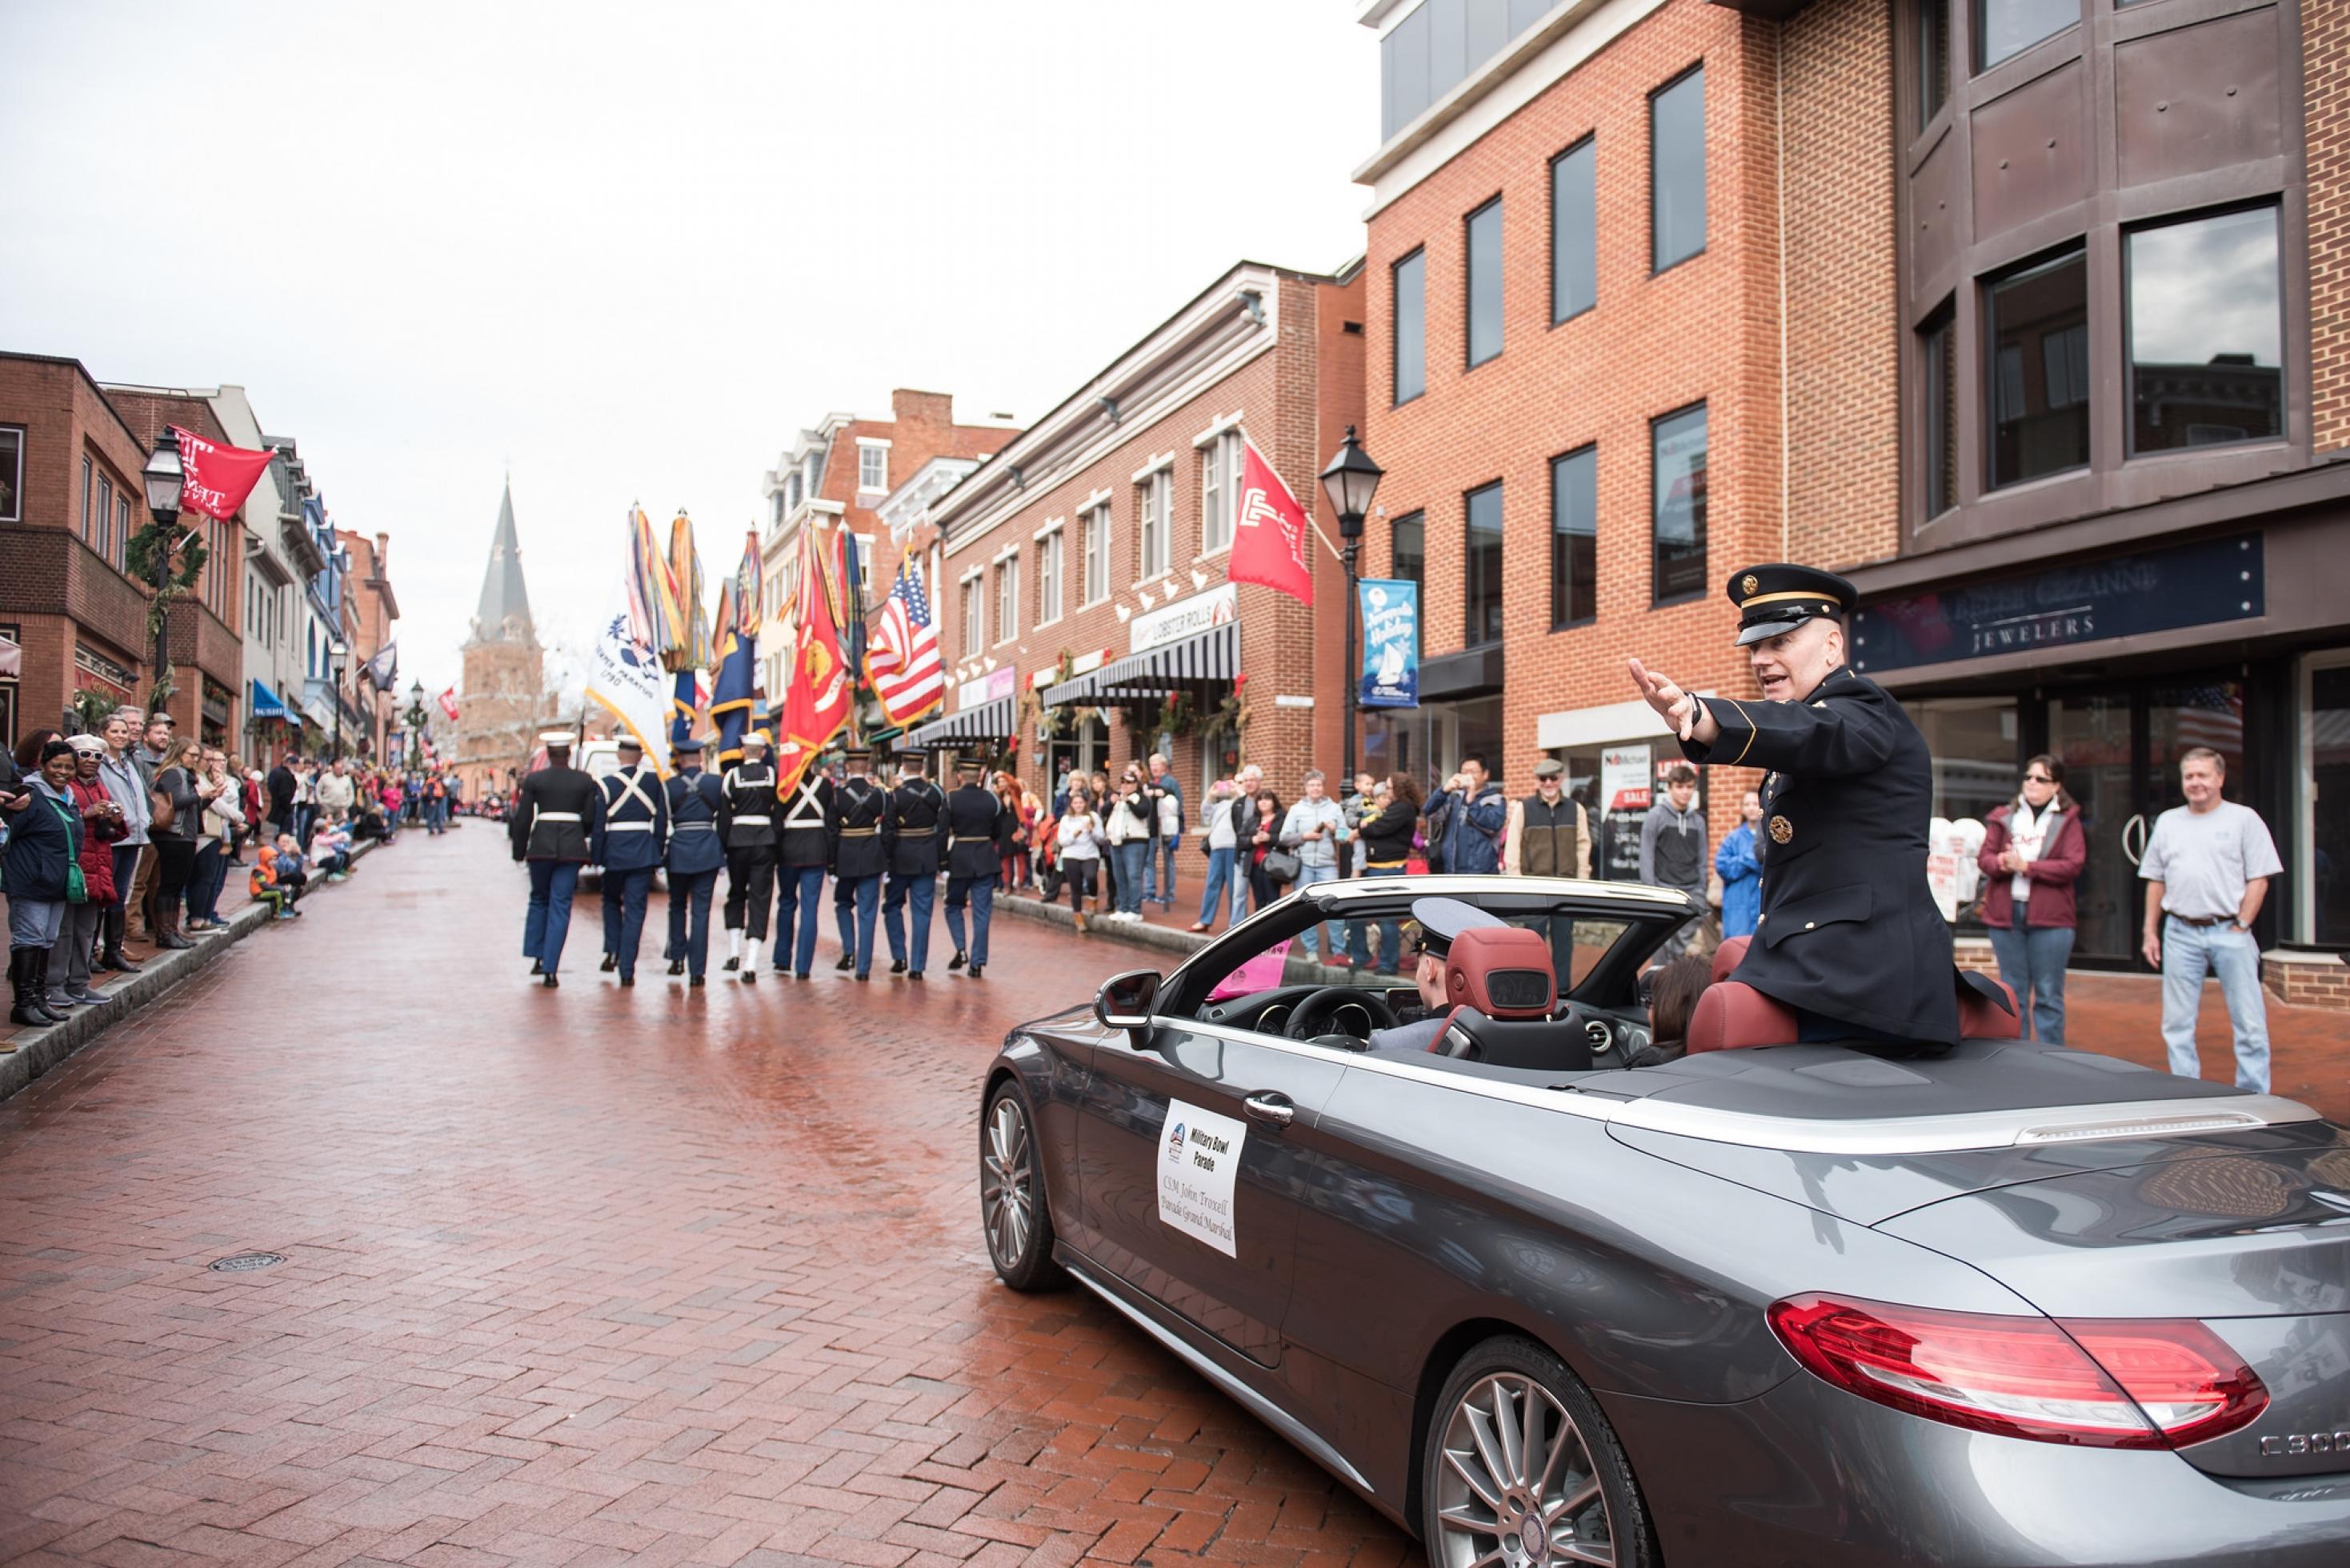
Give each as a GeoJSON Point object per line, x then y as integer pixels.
{"type": "Point", "coordinates": [215, 479]}
{"type": "Point", "coordinates": [1270, 535]}
{"type": "Point", "coordinates": [449, 703]}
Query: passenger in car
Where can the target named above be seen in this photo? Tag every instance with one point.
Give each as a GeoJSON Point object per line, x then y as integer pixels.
{"type": "Point", "coordinates": [1672, 1002]}
{"type": "Point", "coordinates": [1429, 934]}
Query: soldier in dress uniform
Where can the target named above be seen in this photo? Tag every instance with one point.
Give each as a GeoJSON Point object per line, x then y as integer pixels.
{"type": "Point", "coordinates": [695, 857]}
{"type": "Point", "coordinates": [804, 853]}
{"type": "Point", "coordinates": [917, 806]}
{"type": "Point", "coordinates": [636, 834]}
{"type": "Point", "coordinates": [1849, 936]}
{"type": "Point", "coordinates": [860, 834]}
{"type": "Point", "coordinates": [747, 821]}
{"type": "Point", "coordinates": [556, 818]}
{"type": "Point", "coordinates": [978, 828]}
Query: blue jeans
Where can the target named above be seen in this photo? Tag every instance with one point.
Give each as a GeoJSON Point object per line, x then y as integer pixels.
{"type": "Point", "coordinates": [1158, 868]}
{"type": "Point", "coordinates": [549, 923]}
{"type": "Point", "coordinates": [798, 889]}
{"type": "Point", "coordinates": [689, 917]}
{"type": "Point", "coordinates": [625, 895]}
{"type": "Point", "coordinates": [920, 890]}
{"type": "Point", "coordinates": [2188, 953]}
{"type": "Point", "coordinates": [1307, 876]}
{"type": "Point", "coordinates": [856, 900]}
{"type": "Point", "coordinates": [1358, 947]}
{"type": "Point", "coordinates": [1133, 867]}
{"type": "Point", "coordinates": [2032, 960]}
{"type": "Point", "coordinates": [979, 892]}
{"type": "Point", "coordinates": [1223, 868]}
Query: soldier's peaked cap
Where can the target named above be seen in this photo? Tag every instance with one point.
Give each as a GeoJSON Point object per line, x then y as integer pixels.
{"type": "Point", "coordinates": [628, 743]}
{"type": "Point", "coordinates": [689, 747]}
{"type": "Point", "coordinates": [1781, 596]}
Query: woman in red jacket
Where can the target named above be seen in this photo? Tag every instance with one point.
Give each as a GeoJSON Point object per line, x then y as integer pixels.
{"type": "Point", "coordinates": [2033, 852]}
{"type": "Point", "coordinates": [101, 824]}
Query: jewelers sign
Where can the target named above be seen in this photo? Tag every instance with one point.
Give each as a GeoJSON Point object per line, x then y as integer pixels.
{"type": "Point", "coordinates": [1155, 628]}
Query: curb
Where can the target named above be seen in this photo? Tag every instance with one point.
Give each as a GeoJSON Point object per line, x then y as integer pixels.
{"type": "Point", "coordinates": [38, 1051]}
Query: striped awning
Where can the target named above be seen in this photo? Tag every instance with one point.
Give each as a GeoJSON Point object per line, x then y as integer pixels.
{"type": "Point", "coordinates": [988, 721]}
{"type": "Point", "coordinates": [1205, 659]}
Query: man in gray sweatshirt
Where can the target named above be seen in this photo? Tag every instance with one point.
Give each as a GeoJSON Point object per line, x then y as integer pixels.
{"type": "Point", "coordinates": [1673, 847]}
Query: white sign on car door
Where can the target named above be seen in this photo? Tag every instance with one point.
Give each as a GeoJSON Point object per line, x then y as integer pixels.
{"type": "Point", "coordinates": [1198, 1163]}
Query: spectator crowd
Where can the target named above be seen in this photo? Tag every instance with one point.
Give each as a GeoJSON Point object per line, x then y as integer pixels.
{"type": "Point", "coordinates": [137, 819]}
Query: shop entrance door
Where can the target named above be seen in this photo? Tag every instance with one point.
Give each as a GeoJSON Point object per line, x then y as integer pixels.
{"type": "Point", "coordinates": [2120, 746]}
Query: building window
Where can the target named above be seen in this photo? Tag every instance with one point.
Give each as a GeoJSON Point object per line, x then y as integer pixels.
{"type": "Point", "coordinates": [1048, 578]}
{"type": "Point", "coordinates": [1574, 538]}
{"type": "Point", "coordinates": [88, 494]}
{"type": "Point", "coordinates": [1677, 446]}
{"type": "Point", "coordinates": [2039, 332]}
{"type": "Point", "coordinates": [1407, 550]}
{"type": "Point", "coordinates": [2205, 331]}
{"type": "Point", "coordinates": [2008, 27]}
{"type": "Point", "coordinates": [1676, 171]}
{"type": "Point", "coordinates": [1437, 46]}
{"type": "Point", "coordinates": [1484, 277]}
{"type": "Point", "coordinates": [1933, 58]}
{"type": "Point", "coordinates": [1220, 490]}
{"type": "Point", "coordinates": [1412, 326]}
{"type": "Point", "coordinates": [1152, 525]}
{"type": "Point", "coordinates": [974, 617]}
{"type": "Point", "coordinates": [1937, 343]}
{"type": "Point", "coordinates": [1008, 598]}
{"type": "Point", "coordinates": [872, 466]}
{"type": "Point", "coordinates": [1573, 231]}
{"type": "Point", "coordinates": [791, 495]}
{"type": "Point", "coordinates": [1097, 584]}
{"type": "Point", "coordinates": [1482, 563]}
{"type": "Point", "coordinates": [117, 546]}
{"type": "Point", "coordinates": [12, 474]}
{"type": "Point", "coordinates": [102, 544]}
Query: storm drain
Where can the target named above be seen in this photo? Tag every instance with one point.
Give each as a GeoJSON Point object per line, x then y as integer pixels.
{"type": "Point", "coordinates": [244, 1262]}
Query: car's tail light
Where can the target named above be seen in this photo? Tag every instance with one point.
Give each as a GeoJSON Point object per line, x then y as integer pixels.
{"type": "Point", "coordinates": [2134, 1383]}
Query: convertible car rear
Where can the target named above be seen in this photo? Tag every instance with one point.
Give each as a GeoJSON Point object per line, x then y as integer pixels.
{"type": "Point", "coordinates": [1799, 1305]}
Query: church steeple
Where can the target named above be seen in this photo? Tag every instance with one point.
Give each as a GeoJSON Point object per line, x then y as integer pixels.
{"type": "Point", "coordinates": [504, 613]}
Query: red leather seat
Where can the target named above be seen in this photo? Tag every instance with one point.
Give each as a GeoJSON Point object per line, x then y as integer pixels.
{"type": "Point", "coordinates": [1727, 956]}
{"type": "Point", "coordinates": [1980, 1017]}
{"type": "Point", "coordinates": [1730, 1014]}
{"type": "Point", "coordinates": [1502, 972]}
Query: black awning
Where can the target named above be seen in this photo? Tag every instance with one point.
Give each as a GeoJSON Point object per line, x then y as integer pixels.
{"type": "Point", "coordinates": [993, 721]}
{"type": "Point", "coordinates": [1205, 659]}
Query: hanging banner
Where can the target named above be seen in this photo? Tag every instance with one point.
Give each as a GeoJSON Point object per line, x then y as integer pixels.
{"type": "Point", "coordinates": [1390, 673]}
{"type": "Point", "coordinates": [214, 479]}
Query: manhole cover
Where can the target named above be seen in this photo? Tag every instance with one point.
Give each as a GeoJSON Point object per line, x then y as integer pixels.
{"type": "Point", "coordinates": [244, 1262]}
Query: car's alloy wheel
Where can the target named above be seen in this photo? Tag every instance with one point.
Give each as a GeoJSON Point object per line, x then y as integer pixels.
{"type": "Point", "coordinates": [1524, 1472]}
{"type": "Point", "coordinates": [1011, 1195]}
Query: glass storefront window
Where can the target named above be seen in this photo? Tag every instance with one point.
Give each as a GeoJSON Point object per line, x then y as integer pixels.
{"type": "Point", "coordinates": [2325, 722]}
{"type": "Point", "coordinates": [2206, 330]}
{"type": "Point", "coordinates": [2006, 27]}
{"type": "Point", "coordinates": [1429, 741]}
{"type": "Point", "coordinates": [2039, 384]}
{"type": "Point", "coordinates": [1974, 746]}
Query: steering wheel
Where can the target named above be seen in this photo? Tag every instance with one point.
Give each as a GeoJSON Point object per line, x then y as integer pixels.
{"type": "Point", "coordinates": [1311, 1016]}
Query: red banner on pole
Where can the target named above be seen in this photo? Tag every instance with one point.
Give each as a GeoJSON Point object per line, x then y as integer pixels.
{"type": "Point", "coordinates": [216, 479]}
{"type": "Point", "coordinates": [1270, 535]}
{"type": "Point", "coordinates": [449, 703]}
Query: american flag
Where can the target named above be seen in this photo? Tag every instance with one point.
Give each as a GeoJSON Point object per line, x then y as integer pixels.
{"type": "Point", "coordinates": [903, 662]}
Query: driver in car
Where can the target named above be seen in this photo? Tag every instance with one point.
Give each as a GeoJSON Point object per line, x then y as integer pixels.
{"type": "Point", "coordinates": [1429, 934]}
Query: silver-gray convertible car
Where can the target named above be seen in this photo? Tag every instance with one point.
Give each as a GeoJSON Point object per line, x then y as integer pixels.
{"type": "Point", "coordinates": [1764, 1303]}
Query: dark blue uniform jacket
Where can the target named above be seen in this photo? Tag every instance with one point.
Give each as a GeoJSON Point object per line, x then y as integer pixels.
{"type": "Point", "coordinates": [694, 844]}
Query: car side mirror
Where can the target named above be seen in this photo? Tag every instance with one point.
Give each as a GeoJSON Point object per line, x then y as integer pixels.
{"type": "Point", "coordinates": [1124, 1000]}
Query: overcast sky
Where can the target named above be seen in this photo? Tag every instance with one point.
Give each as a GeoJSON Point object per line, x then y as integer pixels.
{"type": "Point", "coordinates": [628, 249]}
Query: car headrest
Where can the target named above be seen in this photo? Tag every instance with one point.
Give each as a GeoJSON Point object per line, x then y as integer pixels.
{"type": "Point", "coordinates": [1502, 972]}
{"type": "Point", "coordinates": [1730, 1014]}
{"type": "Point", "coordinates": [1727, 956]}
{"type": "Point", "coordinates": [1986, 1008]}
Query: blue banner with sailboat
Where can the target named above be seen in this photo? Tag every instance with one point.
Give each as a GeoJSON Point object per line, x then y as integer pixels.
{"type": "Point", "coordinates": [1390, 675]}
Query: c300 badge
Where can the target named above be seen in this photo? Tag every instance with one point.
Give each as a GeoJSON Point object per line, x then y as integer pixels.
{"type": "Point", "coordinates": [2293, 1445]}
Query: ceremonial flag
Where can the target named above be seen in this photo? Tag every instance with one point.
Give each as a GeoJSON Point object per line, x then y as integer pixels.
{"type": "Point", "coordinates": [1270, 539]}
{"type": "Point", "coordinates": [819, 697]}
{"type": "Point", "coordinates": [654, 618]}
{"type": "Point", "coordinates": [384, 667]}
{"type": "Point", "coordinates": [449, 703]}
{"type": "Point", "coordinates": [848, 574]}
{"type": "Point", "coordinates": [624, 671]}
{"type": "Point", "coordinates": [904, 661]}
{"type": "Point", "coordinates": [734, 675]}
{"type": "Point", "coordinates": [214, 479]}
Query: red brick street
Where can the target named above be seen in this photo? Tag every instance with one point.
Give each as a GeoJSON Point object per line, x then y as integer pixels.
{"type": "Point", "coordinates": [583, 1275]}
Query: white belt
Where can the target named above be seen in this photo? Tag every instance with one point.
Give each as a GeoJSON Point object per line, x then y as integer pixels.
{"type": "Point", "coordinates": [693, 827]}
{"type": "Point", "coordinates": [751, 821]}
{"type": "Point", "coordinates": [557, 817]}
{"type": "Point", "coordinates": [628, 827]}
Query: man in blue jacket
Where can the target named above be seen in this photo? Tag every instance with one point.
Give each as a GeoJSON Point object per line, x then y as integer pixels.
{"type": "Point", "coordinates": [634, 838]}
{"type": "Point", "coordinates": [1465, 818]}
{"type": "Point", "coordinates": [695, 857]}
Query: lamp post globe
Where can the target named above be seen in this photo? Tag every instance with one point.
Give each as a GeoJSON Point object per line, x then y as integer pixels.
{"type": "Point", "coordinates": [1350, 481]}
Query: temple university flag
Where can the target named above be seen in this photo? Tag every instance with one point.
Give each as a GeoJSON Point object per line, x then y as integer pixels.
{"type": "Point", "coordinates": [213, 479]}
{"type": "Point", "coordinates": [449, 703]}
{"type": "Point", "coordinates": [1271, 533]}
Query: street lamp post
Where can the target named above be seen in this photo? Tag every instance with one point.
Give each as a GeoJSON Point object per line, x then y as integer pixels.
{"type": "Point", "coordinates": [1350, 481]}
{"type": "Point", "coordinates": [163, 479]}
{"type": "Point", "coordinates": [338, 650]}
{"type": "Point", "coordinates": [415, 724]}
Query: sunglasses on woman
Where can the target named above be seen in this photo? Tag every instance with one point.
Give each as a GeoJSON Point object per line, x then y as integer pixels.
{"type": "Point", "coordinates": [2038, 778]}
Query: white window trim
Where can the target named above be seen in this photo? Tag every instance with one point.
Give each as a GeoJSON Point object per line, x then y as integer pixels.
{"type": "Point", "coordinates": [1228, 421]}
{"type": "Point", "coordinates": [1165, 460]}
{"type": "Point", "coordinates": [1230, 486]}
{"type": "Point", "coordinates": [1060, 578]}
{"type": "Point", "coordinates": [1150, 481]}
{"type": "Point", "coordinates": [1108, 527]}
{"type": "Point", "coordinates": [873, 440]}
{"type": "Point", "coordinates": [1099, 496]}
{"type": "Point", "coordinates": [1052, 526]}
{"type": "Point", "coordinates": [1008, 625]}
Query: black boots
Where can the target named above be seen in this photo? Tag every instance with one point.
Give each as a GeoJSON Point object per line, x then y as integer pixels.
{"type": "Point", "coordinates": [28, 974]}
{"type": "Point", "coordinates": [167, 928]}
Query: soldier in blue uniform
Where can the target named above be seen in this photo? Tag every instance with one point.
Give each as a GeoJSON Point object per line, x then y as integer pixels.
{"type": "Point", "coordinates": [860, 853]}
{"type": "Point", "coordinates": [748, 824]}
{"type": "Point", "coordinates": [978, 828]}
{"type": "Point", "coordinates": [635, 836]}
{"type": "Point", "coordinates": [696, 854]}
{"type": "Point", "coordinates": [804, 854]}
{"type": "Point", "coordinates": [917, 806]}
{"type": "Point", "coordinates": [1849, 936]}
{"type": "Point", "coordinates": [555, 819]}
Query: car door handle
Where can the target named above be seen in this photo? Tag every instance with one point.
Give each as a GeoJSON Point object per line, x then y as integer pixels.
{"type": "Point", "coordinates": [1273, 1110]}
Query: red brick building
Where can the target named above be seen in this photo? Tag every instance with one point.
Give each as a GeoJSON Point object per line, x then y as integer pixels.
{"type": "Point", "coordinates": [1083, 611]}
{"type": "Point", "coordinates": [369, 608]}
{"type": "Point", "coordinates": [70, 499]}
